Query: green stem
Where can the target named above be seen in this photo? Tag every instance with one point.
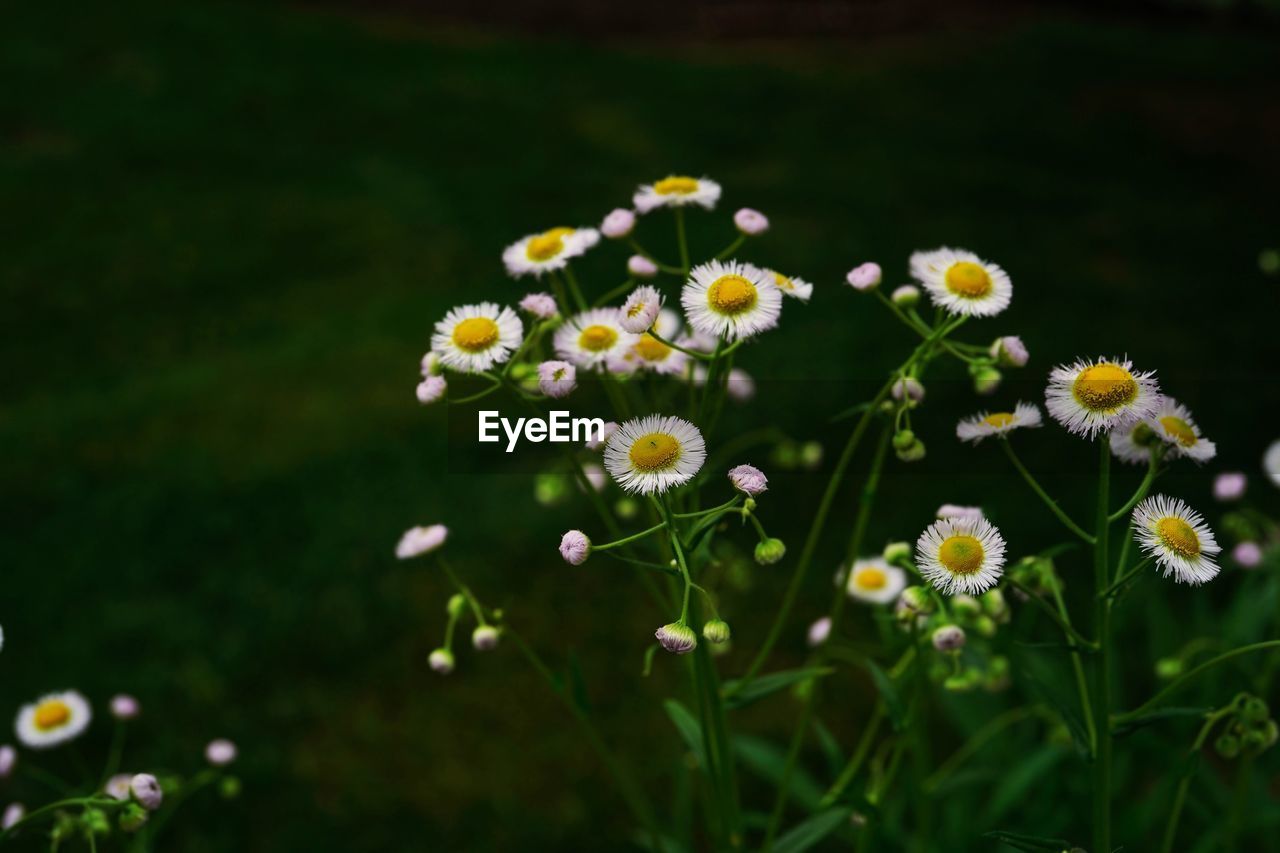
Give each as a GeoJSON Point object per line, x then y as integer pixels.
{"type": "Point", "coordinates": [1184, 679]}
{"type": "Point", "coordinates": [701, 356]}
{"type": "Point", "coordinates": [628, 539]}
{"type": "Point", "coordinates": [1143, 487]}
{"type": "Point", "coordinates": [859, 756]}
{"type": "Point", "coordinates": [974, 744]}
{"type": "Point", "coordinates": [1102, 687]}
{"type": "Point", "coordinates": [1044, 496]}
{"type": "Point", "coordinates": [645, 253]}
{"type": "Point", "coordinates": [681, 239]}
{"type": "Point", "coordinates": [625, 287]}
{"type": "Point", "coordinates": [919, 328]}
{"type": "Point", "coordinates": [1077, 668]}
{"type": "Point", "coordinates": [574, 289]}
{"type": "Point", "coordinates": [724, 506]}
{"type": "Point", "coordinates": [1175, 814]}
{"type": "Point", "coordinates": [1058, 618]}
{"type": "Point", "coordinates": [731, 248]}
{"type": "Point", "coordinates": [98, 801]}
{"type": "Point", "coordinates": [1115, 588]}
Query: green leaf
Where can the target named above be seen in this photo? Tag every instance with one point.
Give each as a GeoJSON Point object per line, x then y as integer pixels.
{"type": "Point", "coordinates": [767, 685]}
{"type": "Point", "coordinates": [850, 412]}
{"type": "Point", "coordinates": [1130, 726]}
{"type": "Point", "coordinates": [1065, 704]}
{"type": "Point", "coordinates": [805, 835]}
{"type": "Point", "coordinates": [1031, 843]}
{"type": "Point", "coordinates": [1017, 783]}
{"type": "Point", "coordinates": [830, 747]}
{"type": "Point", "coordinates": [578, 685]}
{"type": "Point", "coordinates": [689, 729]}
{"type": "Point", "coordinates": [769, 761]}
{"type": "Point", "coordinates": [893, 704]}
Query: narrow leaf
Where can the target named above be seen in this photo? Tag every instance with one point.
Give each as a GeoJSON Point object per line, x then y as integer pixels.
{"type": "Point", "coordinates": [1031, 843]}
{"type": "Point", "coordinates": [767, 685]}
{"type": "Point", "coordinates": [893, 704]}
{"type": "Point", "coordinates": [810, 832]}
{"type": "Point", "coordinates": [769, 761]}
{"type": "Point", "coordinates": [687, 726]}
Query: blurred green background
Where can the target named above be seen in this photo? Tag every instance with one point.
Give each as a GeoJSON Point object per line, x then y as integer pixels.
{"type": "Point", "coordinates": [228, 230]}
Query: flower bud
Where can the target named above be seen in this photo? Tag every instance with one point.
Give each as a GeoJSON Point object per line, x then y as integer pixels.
{"type": "Point", "coordinates": [117, 787]}
{"type": "Point", "coordinates": [897, 553]}
{"type": "Point", "coordinates": [903, 439]}
{"type": "Point", "coordinates": [431, 389]}
{"type": "Point", "coordinates": [770, 551]}
{"type": "Point", "coordinates": [819, 631]}
{"type": "Point", "coordinates": [640, 310]}
{"type": "Point", "coordinates": [1253, 741]}
{"type": "Point", "coordinates": [1248, 555]}
{"type": "Point", "coordinates": [986, 380]}
{"type": "Point", "coordinates": [132, 817]}
{"type": "Point", "coordinates": [908, 388]}
{"type": "Point", "coordinates": [13, 813]}
{"type": "Point", "coordinates": [966, 606]}
{"type": "Point", "coordinates": [677, 638]}
{"type": "Point", "coordinates": [717, 631]}
{"type": "Point", "coordinates": [549, 489]}
{"type": "Point", "coordinates": [618, 223]}
{"type": "Point", "coordinates": [994, 604]}
{"type": "Point", "coordinates": [124, 707]}
{"type": "Point", "coordinates": [753, 223]}
{"type": "Point", "coordinates": [914, 453]}
{"type": "Point", "coordinates": [1254, 710]}
{"type": "Point", "coordinates": [948, 638]}
{"type": "Point", "coordinates": [1269, 261]}
{"type": "Point", "coordinates": [146, 790]}
{"type": "Point", "coordinates": [748, 479]}
{"type": "Point", "coordinates": [918, 599]}
{"type": "Point", "coordinates": [1272, 733]}
{"type": "Point", "coordinates": [864, 277]}
{"type": "Point", "coordinates": [641, 267]}
{"type": "Point", "coordinates": [441, 660]}
{"type": "Point", "coordinates": [1230, 486]}
{"type": "Point", "coordinates": [456, 606]}
{"type": "Point", "coordinates": [811, 454]}
{"type": "Point", "coordinates": [1009, 351]}
{"type": "Point", "coordinates": [220, 752]}
{"type": "Point", "coordinates": [574, 547]}
{"type": "Point", "coordinates": [540, 305]}
{"type": "Point", "coordinates": [985, 625]}
{"type": "Point", "coordinates": [94, 821]}
{"type": "Point", "coordinates": [229, 788]}
{"type": "Point", "coordinates": [1168, 668]}
{"type": "Point", "coordinates": [626, 508]}
{"type": "Point", "coordinates": [906, 296]}
{"type": "Point", "coordinates": [8, 759]}
{"type": "Point", "coordinates": [962, 682]}
{"type": "Point", "coordinates": [484, 638]}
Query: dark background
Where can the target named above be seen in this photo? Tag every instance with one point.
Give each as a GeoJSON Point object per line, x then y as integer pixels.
{"type": "Point", "coordinates": [228, 230]}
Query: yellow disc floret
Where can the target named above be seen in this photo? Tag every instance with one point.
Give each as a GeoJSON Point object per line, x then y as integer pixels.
{"type": "Point", "coordinates": [656, 451]}
{"type": "Point", "coordinates": [597, 338]}
{"type": "Point", "coordinates": [998, 420]}
{"type": "Point", "coordinates": [1104, 386]}
{"type": "Point", "coordinates": [961, 555]}
{"type": "Point", "coordinates": [731, 294]}
{"type": "Point", "coordinates": [1179, 429]}
{"type": "Point", "coordinates": [968, 279]}
{"type": "Point", "coordinates": [1178, 536]}
{"type": "Point", "coordinates": [475, 334]}
{"type": "Point", "coordinates": [871, 578]}
{"type": "Point", "coordinates": [650, 348]}
{"type": "Point", "coordinates": [783, 282]}
{"type": "Point", "coordinates": [546, 246]}
{"type": "Point", "coordinates": [676, 185]}
{"type": "Point", "coordinates": [51, 714]}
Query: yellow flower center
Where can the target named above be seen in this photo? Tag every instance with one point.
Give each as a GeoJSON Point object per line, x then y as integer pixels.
{"type": "Point", "coordinates": [731, 294]}
{"type": "Point", "coordinates": [783, 282]}
{"type": "Point", "coordinates": [561, 232]}
{"type": "Point", "coordinates": [968, 279]}
{"type": "Point", "coordinates": [651, 349]}
{"type": "Point", "coordinates": [1178, 536]}
{"type": "Point", "coordinates": [597, 338]}
{"type": "Point", "coordinates": [961, 555]}
{"type": "Point", "coordinates": [475, 334]}
{"type": "Point", "coordinates": [655, 452]}
{"type": "Point", "coordinates": [636, 310]}
{"type": "Point", "coordinates": [999, 420]}
{"type": "Point", "coordinates": [676, 185]}
{"type": "Point", "coordinates": [1179, 429]}
{"type": "Point", "coordinates": [1104, 387]}
{"type": "Point", "coordinates": [51, 714]}
{"type": "Point", "coordinates": [871, 578]}
{"type": "Point", "coordinates": [546, 246]}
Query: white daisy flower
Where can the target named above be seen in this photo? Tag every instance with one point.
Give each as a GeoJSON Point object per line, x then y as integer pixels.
{"type": "Point", "coordinates": [875, 581]}
{"type": "Point", "coordinates": [550, 250]}
{"type": "Point", "coordinates": [959, 511]}
{"type": "Point", "coordinates": [591, 338]}
{"type": "Point", "coordinates": [654, 453]}
{"type": "Point", "coordinates": [557, 378]}
{"type": "Point", "coordinates": [959, 282]}
{"type": "Point", "coordinates": [53, 719]}
{"type": "Point", "coordinates": [676, 191]}
{"type": "Point", "coordinates": [1089, 397]}
{"type": "Point", "coordinates": [1133, 444]}
{"type": "Point", "coordinates": [1172, 422]}
{"type": "Point", "coordinates": [1176, 535]}
{"type": "Point", "coordinates": [730, 300]}
{"type": "Point", "coordinates": [961, 555]}
{"type": "Point", "coordinates": [986, 424]}
{"type": "Point", "coordinates": [1271, 462]}
{"type": "Point", "coordinates": [793, 286]}
{"type": "Point", "coordinates": [641, 309]}
{"type": "Point", "coordinates": [473, 338]}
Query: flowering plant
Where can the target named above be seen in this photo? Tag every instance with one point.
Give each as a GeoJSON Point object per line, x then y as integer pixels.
{"type": "Point", "coordinates": [687, 503]}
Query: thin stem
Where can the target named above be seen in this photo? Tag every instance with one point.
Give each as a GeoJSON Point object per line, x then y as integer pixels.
{"type": "Point", "coordinates": [1115, 588]}
{"type": "Point", "coordinates": [628, 539]}
{"type": "Point", "coordinates": [919, 328]}
{"type": "Point", "coordinates": [851, 769]}
{"type": "Point", "coordinates": [574, 290]}
{"type": "Point", "coordinates": [974, 744]}
{"type": "Point", "coordinates": [1182, 680]}
{"type": "Point", "coordinates": [1077, 668]}
{"type": "Point", "coordinates": [616, 292]}
{"type": "Point", "coordinates": [100, 801]}
{"type": "Point", "coordinates": [497, 383]}
{"type": "Point", "coordinates": [681, 239]}
{"type": "Point", "coordinates": [724, 506]}
{"type": "Point", "coordinates": [1143, 487]}
{"type": "Point", "coordinates": [701, 356]}
{"type": "Point", "coordinates": [645, 253]}
{"type": "Point", "coordinates": [731, 248]}
{"type": "Point", "coordinates": [1058, 619]}
{"type": "Point", "coordinates": [1044, 496]}
{"type": "Point", "coordinates": [1102, 689]}
{"type": "Point", "coordinates": [1175, 814]}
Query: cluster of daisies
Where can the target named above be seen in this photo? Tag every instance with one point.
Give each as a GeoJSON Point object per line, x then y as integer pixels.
{"type": "Point", "coordinates": [126, 799]}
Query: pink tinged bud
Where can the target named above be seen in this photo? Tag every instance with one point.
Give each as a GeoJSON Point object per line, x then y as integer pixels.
{"type": "Point", "coordinates": [557, 378]}
{"type": "Point", "coordinates": [430, 365]}
{"type": "Point", "coordinates": [595, 476]}
{"type": "Point", "coordinates": [948, 638]}
{"type": "Point", "coordinates": [641, 267]}
{"type": "Point", "coordinates": [431, 389]}
{"type": "Point", "coordinates": [618, 224]}
{"type": "Point", "coordinates": [220, 752]}
{"type": "Point", "coordinates": [748, 479]}
{"type": "Point", "coordinates": [753, 223]}
{"type": "Point", "coordinates": [740, 386]}
{"type": "Point", "coordinates": [864, 277]}
{"type": "Point", "coordinates": [958, 511]}
{"type": "Point", "coordinates": [640, 310]}
{"type": "Point", "coordinates": [13, 813]}
{"type": "Point", "coordinates": [1248, 555]}
{"type": "Point", "coordinates": [908, 388]}
{"type": "Point", "coordinates": [609, 429]}
{"type": "Point", "coordinates": [819, 631]}
{"type": "Point", "coordinates": [146, 790]}
{"type": "Point", "coordinates": [441, 660]}
{"type": "Point", "coordinates": [8, 760]}
{"type": "Point", "coordinates": [540, 305]}
{"type": "Point", "coordinates": [117, 787]}
{"type": "Point", "coordinates": [906, 296]}
{"type": "Point", "coordinates": [1010, 351]}
{"type": "Point", "coordinates": [484, 638]}
{"type": "Point", "coordinates": [1230, 486]}
{"type": "Point", "coordinates": [574, 547]}
{"type": "Point", "coordinates": [417, 541]}
{"type": "Point", "coordinates": [677, 638]}
{"type": "Point", "coordinates": [124, 707]}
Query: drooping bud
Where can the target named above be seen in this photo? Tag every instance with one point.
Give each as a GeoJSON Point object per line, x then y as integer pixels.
{"type": "Point", "coordinates": [484, 638]}
{"type": "Point", "coordinates": [677, 638]}
{"type": "Point", "coordinates": [897, 553]}
{"type": "Point", "coordinates": [618, 223]}
{"type": "Point", "coordinates": [903, 439]}
{"type": "Point", "coordinates": [146, 790]}
{"type": "Point", "coordinates": [1230, 486]}
{"type": "Point", "coordinates": [753, 223]}
{"type": "Point", "coordinates": [819, 631]}
{"type": "Point", "coordinates": [124, 707]}
{"type": "Point", "coordinates": [865, 277]}
{"type": "Point", "coordinates": [918, 599]}
{"type": "Point", "coordinates": [913, 453]}
{"type": "Point", "coordinates": [1247, 555]}
{"type": "Point", "coordinates": [717, 631]}
{"type": "Point", "coordinates": [8, 760]}
{"type": "Point", "coordinates": [431, 389]}
{"type": "Point", "coordinates": [220, 752]}
{"type": "Point", "coordinates": [574, 547]}
{"type": "Point", "coordinates": [1009, 351]}
{"type": "Point", "coordinates": [948, 638]}
{"type": "Point", "coordinates": [770, 551]}
{"type": "Point", "coordinates": [906, 296]}
{"type": "Point", "coordinates": [1254, 710]}
{"type": "Point", "coordinates": [811, 454]}
{"type": "Point", "coordinates": [986, 379]}
{"type": "Point", "coordinates": [908, 388]}
{"type": "Point", "coordinates": [540, 305]}
{"type": "Point", "coordinates": [641, 267]}
{"type": "Point", "coordinates": [748, 479]}
{"type": "Point", "coordinates": [441, 660]}
{"type": "Point", "coordinates": [456, 606]}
